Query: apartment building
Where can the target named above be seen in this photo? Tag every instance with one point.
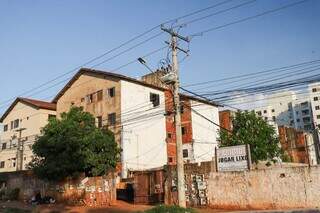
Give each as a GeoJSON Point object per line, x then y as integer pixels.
{"type": "Point", "coordinates": [314, 92]}
{"type": "Point", "coordinates": [285, 109]}
{"type": "Point", "coordinates": [22, 123]}
{"type": "Point", "coordinates": [278, 110]}
{"type": "Point", "coordinates": [140, 115]}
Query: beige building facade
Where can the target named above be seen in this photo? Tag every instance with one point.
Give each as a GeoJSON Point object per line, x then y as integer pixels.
{"type": "Point", "coordinates": [135, 110]}
{"type": "Point", "coordinates": [22, 123]}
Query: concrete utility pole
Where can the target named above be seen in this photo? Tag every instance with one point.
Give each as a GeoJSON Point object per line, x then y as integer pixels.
{"type": "Point", "coordinates": [20, 149]}
{"type": "Point", "coordinates": [175, 70]}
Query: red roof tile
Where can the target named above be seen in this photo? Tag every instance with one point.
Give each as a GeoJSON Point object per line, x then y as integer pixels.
{"type": "Point", "coordinates": [32, 102]}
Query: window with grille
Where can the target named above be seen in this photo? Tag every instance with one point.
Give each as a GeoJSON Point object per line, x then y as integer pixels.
{"type": "Point", "coordinates": [185, 153]}
{"type": "Point", "coordinates": [155, 99]}
{"type": "Point", "coordinates": [112, 119]}
{"type": "Point", "coordinates": [99, 121]}
{"type": "Point", "coordinates": [111, 92]}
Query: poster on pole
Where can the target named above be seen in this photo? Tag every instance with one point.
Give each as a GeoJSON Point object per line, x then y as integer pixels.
{"type": "Point", "coordinates": [233, 158]}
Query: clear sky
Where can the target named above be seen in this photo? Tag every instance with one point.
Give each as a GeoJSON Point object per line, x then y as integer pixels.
{"type": "Point", "coordinates": [40, 40]}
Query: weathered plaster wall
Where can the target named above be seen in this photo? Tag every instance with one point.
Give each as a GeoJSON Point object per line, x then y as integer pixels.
{"type": "Point", "coordinates": [93, 191]}
{"type": "Point", "coordinates": [204, 132]}
{"type": "Point", "coordinates": [143, 130]}
{"type": "Point", "coordinates": [294, 187]}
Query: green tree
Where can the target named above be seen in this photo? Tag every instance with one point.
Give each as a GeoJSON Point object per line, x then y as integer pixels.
{"type": "Point", "coordinates": [248, 128]}
{"type": "Point", "coordinates": [73, 145]}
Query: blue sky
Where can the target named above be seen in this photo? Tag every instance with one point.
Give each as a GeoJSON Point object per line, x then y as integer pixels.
{"type": "Point", "coordinates": [40, 40]}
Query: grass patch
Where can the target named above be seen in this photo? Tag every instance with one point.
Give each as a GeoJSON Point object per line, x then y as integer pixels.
{"type": "Point", "coordinates": [169, 209]}
{"type": "Point", "coordinates": [15, 210]}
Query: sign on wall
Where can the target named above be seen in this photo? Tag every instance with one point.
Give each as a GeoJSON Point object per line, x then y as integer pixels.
{"type": "Point", "coordinates": [233, 158]}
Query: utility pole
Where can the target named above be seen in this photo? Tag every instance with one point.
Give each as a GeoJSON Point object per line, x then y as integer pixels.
{"type": "Point", "coordinates": [176, 98]}
{"type": "Point", "coordinates": [20, 149]}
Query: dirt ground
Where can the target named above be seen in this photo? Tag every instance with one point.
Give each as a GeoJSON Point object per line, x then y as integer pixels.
{"type": "Point", "coordinates": [118, 207]}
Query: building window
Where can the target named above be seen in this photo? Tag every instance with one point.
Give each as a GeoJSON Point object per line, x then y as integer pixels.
{"type": "Point", "coordinates": [185, 153]}
{"type": "Point", "coordinates": [2, 164]}
{"type": "Point", "coordinates": [274, 118]}
{"type": "Point", "coordinates": [11, 125]}
{"type": "Point", "coordinates": [259, 113]}
{"type": "Point", "coordinates": [16, 123]}
{"type": "Point", "coordinates": [5, 128]}
{"type": "Point", "coordinates": [264, 111]}
{"type": "Point", "coordinates": [314, 89]}
{"type": "Point", "coordinates": [183, 130]}
{"type": "Point", "coordinates": [112, 119]}
{"type": "Point", "coordinates": [4, 146]}
{"type": "Point", "coordinates": [169, 135]}
{"type": "Point", "coordinates": [170, 159]}
{"type": "Point", "coordinates": [266, 118]}
{"type": "Point", "coordinates": [298, 120]}
{"type": "Point", "coordinates": [89, 98]}
{"type": "Point", "coordinates": [317, 107]}
{"type": "Point", "coordinates": [181, 109]}
{"type": "Point", "coordinates": [111, 92]}
{"type": "Point", "coordinates": [318, 116]}
{"type": "Point", "coordinates": [13, 160]}
{"type": "Point", "coordinates": [304, 104]}
{"type": "Point", "coordinates": [99, 95]}
{"type": "Point", "coordinates": [272, 110]}
{"type": "Point", "coordinates": [99, 121]}
{"type": "Point", "coordinates": [315, 98]}
{"type": "Point", "coordinates": [155, 99]}
{"type": "Point", "coordinates": [307, 127]}
{"type": "Point", "coordinates": [306, 119]}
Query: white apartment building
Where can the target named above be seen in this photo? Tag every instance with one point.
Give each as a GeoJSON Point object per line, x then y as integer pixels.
{"type": "Point", "coordinates": [285, 109]}
{"type": "Point", "coordinates": [314, 92]}
{"type": "Point", "coordinates": [22, 123]}
{"type": "Point", "coordinates": [278, 109]}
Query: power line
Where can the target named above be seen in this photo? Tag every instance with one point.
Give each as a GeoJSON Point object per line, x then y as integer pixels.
{"type": "Point", "coordinates": [215, 13]}
{"type": "Point", "coordinates": [201, 33]}
{"type": "Point", "coordinates": [115, 48]}
{"type": "Point", "coordinates": [269, 71]}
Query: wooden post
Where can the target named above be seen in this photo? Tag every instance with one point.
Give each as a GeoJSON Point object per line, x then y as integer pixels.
{"type": "Point", "coordinates": [216, 159]}
{"type": "Point", "coordinates": [249, 156]}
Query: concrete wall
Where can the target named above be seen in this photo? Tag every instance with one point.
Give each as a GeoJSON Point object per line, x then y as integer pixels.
{"type": "Point", "coordinates": [294, 187]}
{"type": "Point", "coordinates": [144, 130]}
{"type": "Point", "coordinates": [94, 191]}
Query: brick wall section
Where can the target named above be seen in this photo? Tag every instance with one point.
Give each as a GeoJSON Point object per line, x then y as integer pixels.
{"type": "Point", "coordinates": [186, 122]}
{"type": "Point", "coordinates": [225, 119]}
{"type": "Point", "coordinates": [294, 144]}
{"type": "Point", "coordinates": [94, 191]}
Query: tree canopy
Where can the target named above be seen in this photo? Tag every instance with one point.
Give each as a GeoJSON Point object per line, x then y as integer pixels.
{"type": "Point", "coordinates": [73, 145]}
{"type": "Point", "coordinates": [248, 128]}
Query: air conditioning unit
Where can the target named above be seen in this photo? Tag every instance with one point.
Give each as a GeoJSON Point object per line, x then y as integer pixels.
{"type": "Point", "coordinates": [169, 78]}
